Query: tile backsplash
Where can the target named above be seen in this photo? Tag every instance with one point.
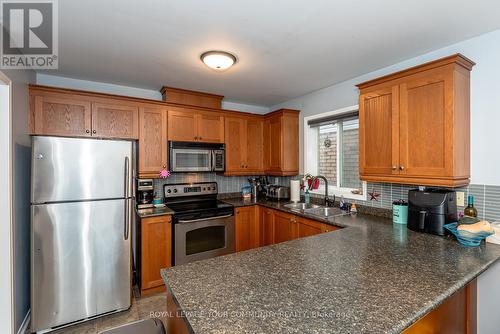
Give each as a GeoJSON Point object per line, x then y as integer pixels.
{"type": "Point", "coordinates": [486, 197]}
{"type": "Point", "coordinates": [227, 184]}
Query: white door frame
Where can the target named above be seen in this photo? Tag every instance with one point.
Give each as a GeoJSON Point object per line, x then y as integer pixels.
{"type": "Point", "coordinates": [6, 249]}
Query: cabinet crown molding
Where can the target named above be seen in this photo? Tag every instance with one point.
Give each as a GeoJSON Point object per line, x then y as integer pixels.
{"type": "Point", "coordinates": [458, 59]}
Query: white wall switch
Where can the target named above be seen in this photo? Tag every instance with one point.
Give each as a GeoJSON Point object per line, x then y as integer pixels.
{"type": "Point", "coordinates": [460, 198]}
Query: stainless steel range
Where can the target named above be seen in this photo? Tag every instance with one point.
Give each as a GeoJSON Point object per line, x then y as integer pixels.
{"type": "Point", "coordinates": [203, 225]}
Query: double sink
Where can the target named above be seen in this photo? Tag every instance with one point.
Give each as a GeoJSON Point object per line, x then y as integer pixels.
{"type": "Point", "coordinates": [315, 210]}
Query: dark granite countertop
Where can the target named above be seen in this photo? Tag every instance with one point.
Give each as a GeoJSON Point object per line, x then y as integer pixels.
{"type": "Point", "coordinates": [154, 212]}
{"type": "Point", "coordinates": [280, 205]}
{"type": "Point", "coordinates": [369, 277]}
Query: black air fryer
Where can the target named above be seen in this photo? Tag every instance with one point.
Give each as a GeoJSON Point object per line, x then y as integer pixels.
{"type": "Point", "coordinates": [430, 209]}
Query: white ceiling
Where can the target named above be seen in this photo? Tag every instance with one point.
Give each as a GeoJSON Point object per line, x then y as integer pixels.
{"type": "Point", "coordinates": [285, 48]}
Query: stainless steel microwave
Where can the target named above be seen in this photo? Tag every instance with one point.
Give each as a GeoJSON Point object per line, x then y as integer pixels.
{"type": "Point", "coordinates": [196, 157]}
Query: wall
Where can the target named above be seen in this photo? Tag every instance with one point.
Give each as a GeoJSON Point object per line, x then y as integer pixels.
{"type": "Point", "coordinates": [6, 292]}
{"type": "Point", "coordinates": [484, 50]}
{"type": "Point", "coordinates": [21, 166]}
{"type": "Point", "coordinates": [101, 87]}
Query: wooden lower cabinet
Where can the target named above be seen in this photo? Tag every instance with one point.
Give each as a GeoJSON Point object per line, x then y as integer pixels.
{"type": "Point", "coordinates": [285, 227]}
{"type": "Point", "coordinates": [457, 314]}
{"type": "Point", "coordinates": [155, 252]}
{"type": "Point", "coordinates": [266, 226]}
{"type": "Point", "coordinates": [247, 229]}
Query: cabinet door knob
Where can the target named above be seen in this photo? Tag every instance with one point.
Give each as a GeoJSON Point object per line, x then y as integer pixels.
{"type": "Point", "coordinates": [402, 167]}
{"type": "Point", "coordinates": [94, 131]}
{"type": "Point", "coordinates": [199, 138]}
{"type": "Point", "coordinates": [195, 137]}
{"type": "Point", "coordinates": [394, 167]}
{"type": "Point", "coordinates": [87, 131]}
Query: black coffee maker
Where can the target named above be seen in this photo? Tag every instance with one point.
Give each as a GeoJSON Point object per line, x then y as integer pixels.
{"type": "Point", "coordinates": [430, 209]}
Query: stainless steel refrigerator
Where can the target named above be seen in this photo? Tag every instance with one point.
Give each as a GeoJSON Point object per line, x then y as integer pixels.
{"type": "Point", "coordinates": [81, 216]}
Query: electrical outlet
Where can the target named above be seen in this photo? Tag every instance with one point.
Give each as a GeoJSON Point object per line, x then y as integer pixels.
{"type": "Point", "coordinates": [460, 198]}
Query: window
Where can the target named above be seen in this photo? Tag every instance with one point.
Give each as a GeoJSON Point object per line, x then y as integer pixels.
{"type": "Point", "coordinates": [332, 150]}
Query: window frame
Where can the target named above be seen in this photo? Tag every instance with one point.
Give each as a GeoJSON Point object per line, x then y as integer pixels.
{"type": "Point", "coordinates": [311, 157]}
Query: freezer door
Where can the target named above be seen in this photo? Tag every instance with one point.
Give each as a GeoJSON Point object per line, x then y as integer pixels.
{"type": "Point", "coordinates": [75, 169]}
{"type": "Point", "coordinates": [70, 244]}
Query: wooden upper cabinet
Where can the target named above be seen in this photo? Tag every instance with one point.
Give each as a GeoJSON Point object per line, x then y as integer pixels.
{"type": "Point", "coordinates": [247, 229]}
{"type": "Point", "coordinates": [192, 125]}
{"type": "Point", "coordinates": [244, 145]}
{"type": "Point", "coordinates": [254, 145]}
{"type": "Point", "coordinates": [415, 125]}
{"type": "Point", "coordinates": [236, 148]}
{"type": "Point", "coordinates": [60, 115]}
{"type": "Point", "coordinates": [275, 144]}
{"type": "Point", "coordinates": [426, 124]}
{"type": "Point", "coordinates": [379, 130]}
{"type": "Point", "coordinates": [115, 120]}
{"type": "Point", "coordinates": [152, 148]}
{"type": "Point", "coordinates": [210, 127]}
{"type": "Point", "coordinates": [281, 143]}
{"type": "Point", "coordinates": [181, 125]}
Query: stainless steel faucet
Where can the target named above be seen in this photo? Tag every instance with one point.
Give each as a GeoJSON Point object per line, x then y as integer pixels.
{"type": "Point", "coordinates": [328, 201]}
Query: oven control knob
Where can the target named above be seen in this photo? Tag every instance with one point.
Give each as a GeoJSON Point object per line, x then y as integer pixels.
{"type": "Point", "coordinates": [213, 188]}
{"type": "Point", "coordinates": [169, 191]}
{"type": "Point", "coordinates": [175, 190]}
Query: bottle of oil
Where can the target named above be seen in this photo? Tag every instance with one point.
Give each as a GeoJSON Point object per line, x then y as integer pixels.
{"type": "Point", "coordinates": [470, 210]}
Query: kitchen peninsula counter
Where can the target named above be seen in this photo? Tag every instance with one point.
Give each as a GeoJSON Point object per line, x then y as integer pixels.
{"type": "Point", "coordinates": [368, 277]}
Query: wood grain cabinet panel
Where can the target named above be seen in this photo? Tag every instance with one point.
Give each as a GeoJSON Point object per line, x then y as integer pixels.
{"type": "Point", "coordinates": [182, 125]}
{"type": "Point", "coordinates": [156, 251]}
{"type": "Point", "coordinates": [414, 125]}
{"type": "Point", "coordinates": [244, 145]}
{"type": "Point", "coordinates": [266, 226]}
{"type": "Point", "coordinates": [247, 229]}
{"type": "Point", "coordinates": [306, 227]}
{"type": "Point", "coordinates": [236, 144]}
{"type": "Point", "coordinates": [192, 125]}
{"type": "Point", "coordinates": [285, 227]}
{"type": "Point", "coordinates": [152, 148]}
{"type": "Point", "coordinates": [60, 116]}
{"type": "Point", "coordinates": [281, 143]}
{"type": "Point", "coordinates": [254, 145]}
{"type": "Point", "coordinates": [379, 130]}
{"type": "Point", "coordinates": [210, 127]}
{"type": "Point", "coordinates": [115, 121]}
{"type": "Point", "coordinates": [426, 124]}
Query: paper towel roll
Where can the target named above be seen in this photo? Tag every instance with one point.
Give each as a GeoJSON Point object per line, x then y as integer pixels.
{"type": "Point", "coordinates": [295, 190]}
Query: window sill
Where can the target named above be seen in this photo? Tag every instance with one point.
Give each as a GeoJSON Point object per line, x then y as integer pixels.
{"type": "Point", "coordinates": [346, 192]}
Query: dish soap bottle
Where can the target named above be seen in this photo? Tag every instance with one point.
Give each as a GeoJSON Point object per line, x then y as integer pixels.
{"type": "Point", "coordinates": [470, 210]}
{"type": "Point", "coordinates": [307, 197]}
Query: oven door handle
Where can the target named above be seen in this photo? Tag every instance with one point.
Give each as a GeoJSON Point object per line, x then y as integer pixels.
{"type": "Point", "coordinates": [203, 219]}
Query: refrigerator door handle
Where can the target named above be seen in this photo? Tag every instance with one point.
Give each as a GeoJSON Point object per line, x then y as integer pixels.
{"type": "Point", "coordinates": [127, 177]}
{"type": "Point", "coordinates": [127, 218]}
{"type": "Point", "coordinates": [127, 195]}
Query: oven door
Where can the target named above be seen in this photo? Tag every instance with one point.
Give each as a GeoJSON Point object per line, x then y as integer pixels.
{"type": "Point", "coordinates": [191, 160]}
{"type": "Point", "coordinates": [203, 238]}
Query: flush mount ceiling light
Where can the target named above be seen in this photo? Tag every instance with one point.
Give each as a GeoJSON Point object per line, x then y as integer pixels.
{"type": "Point", "coordinates": [218, 60]}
